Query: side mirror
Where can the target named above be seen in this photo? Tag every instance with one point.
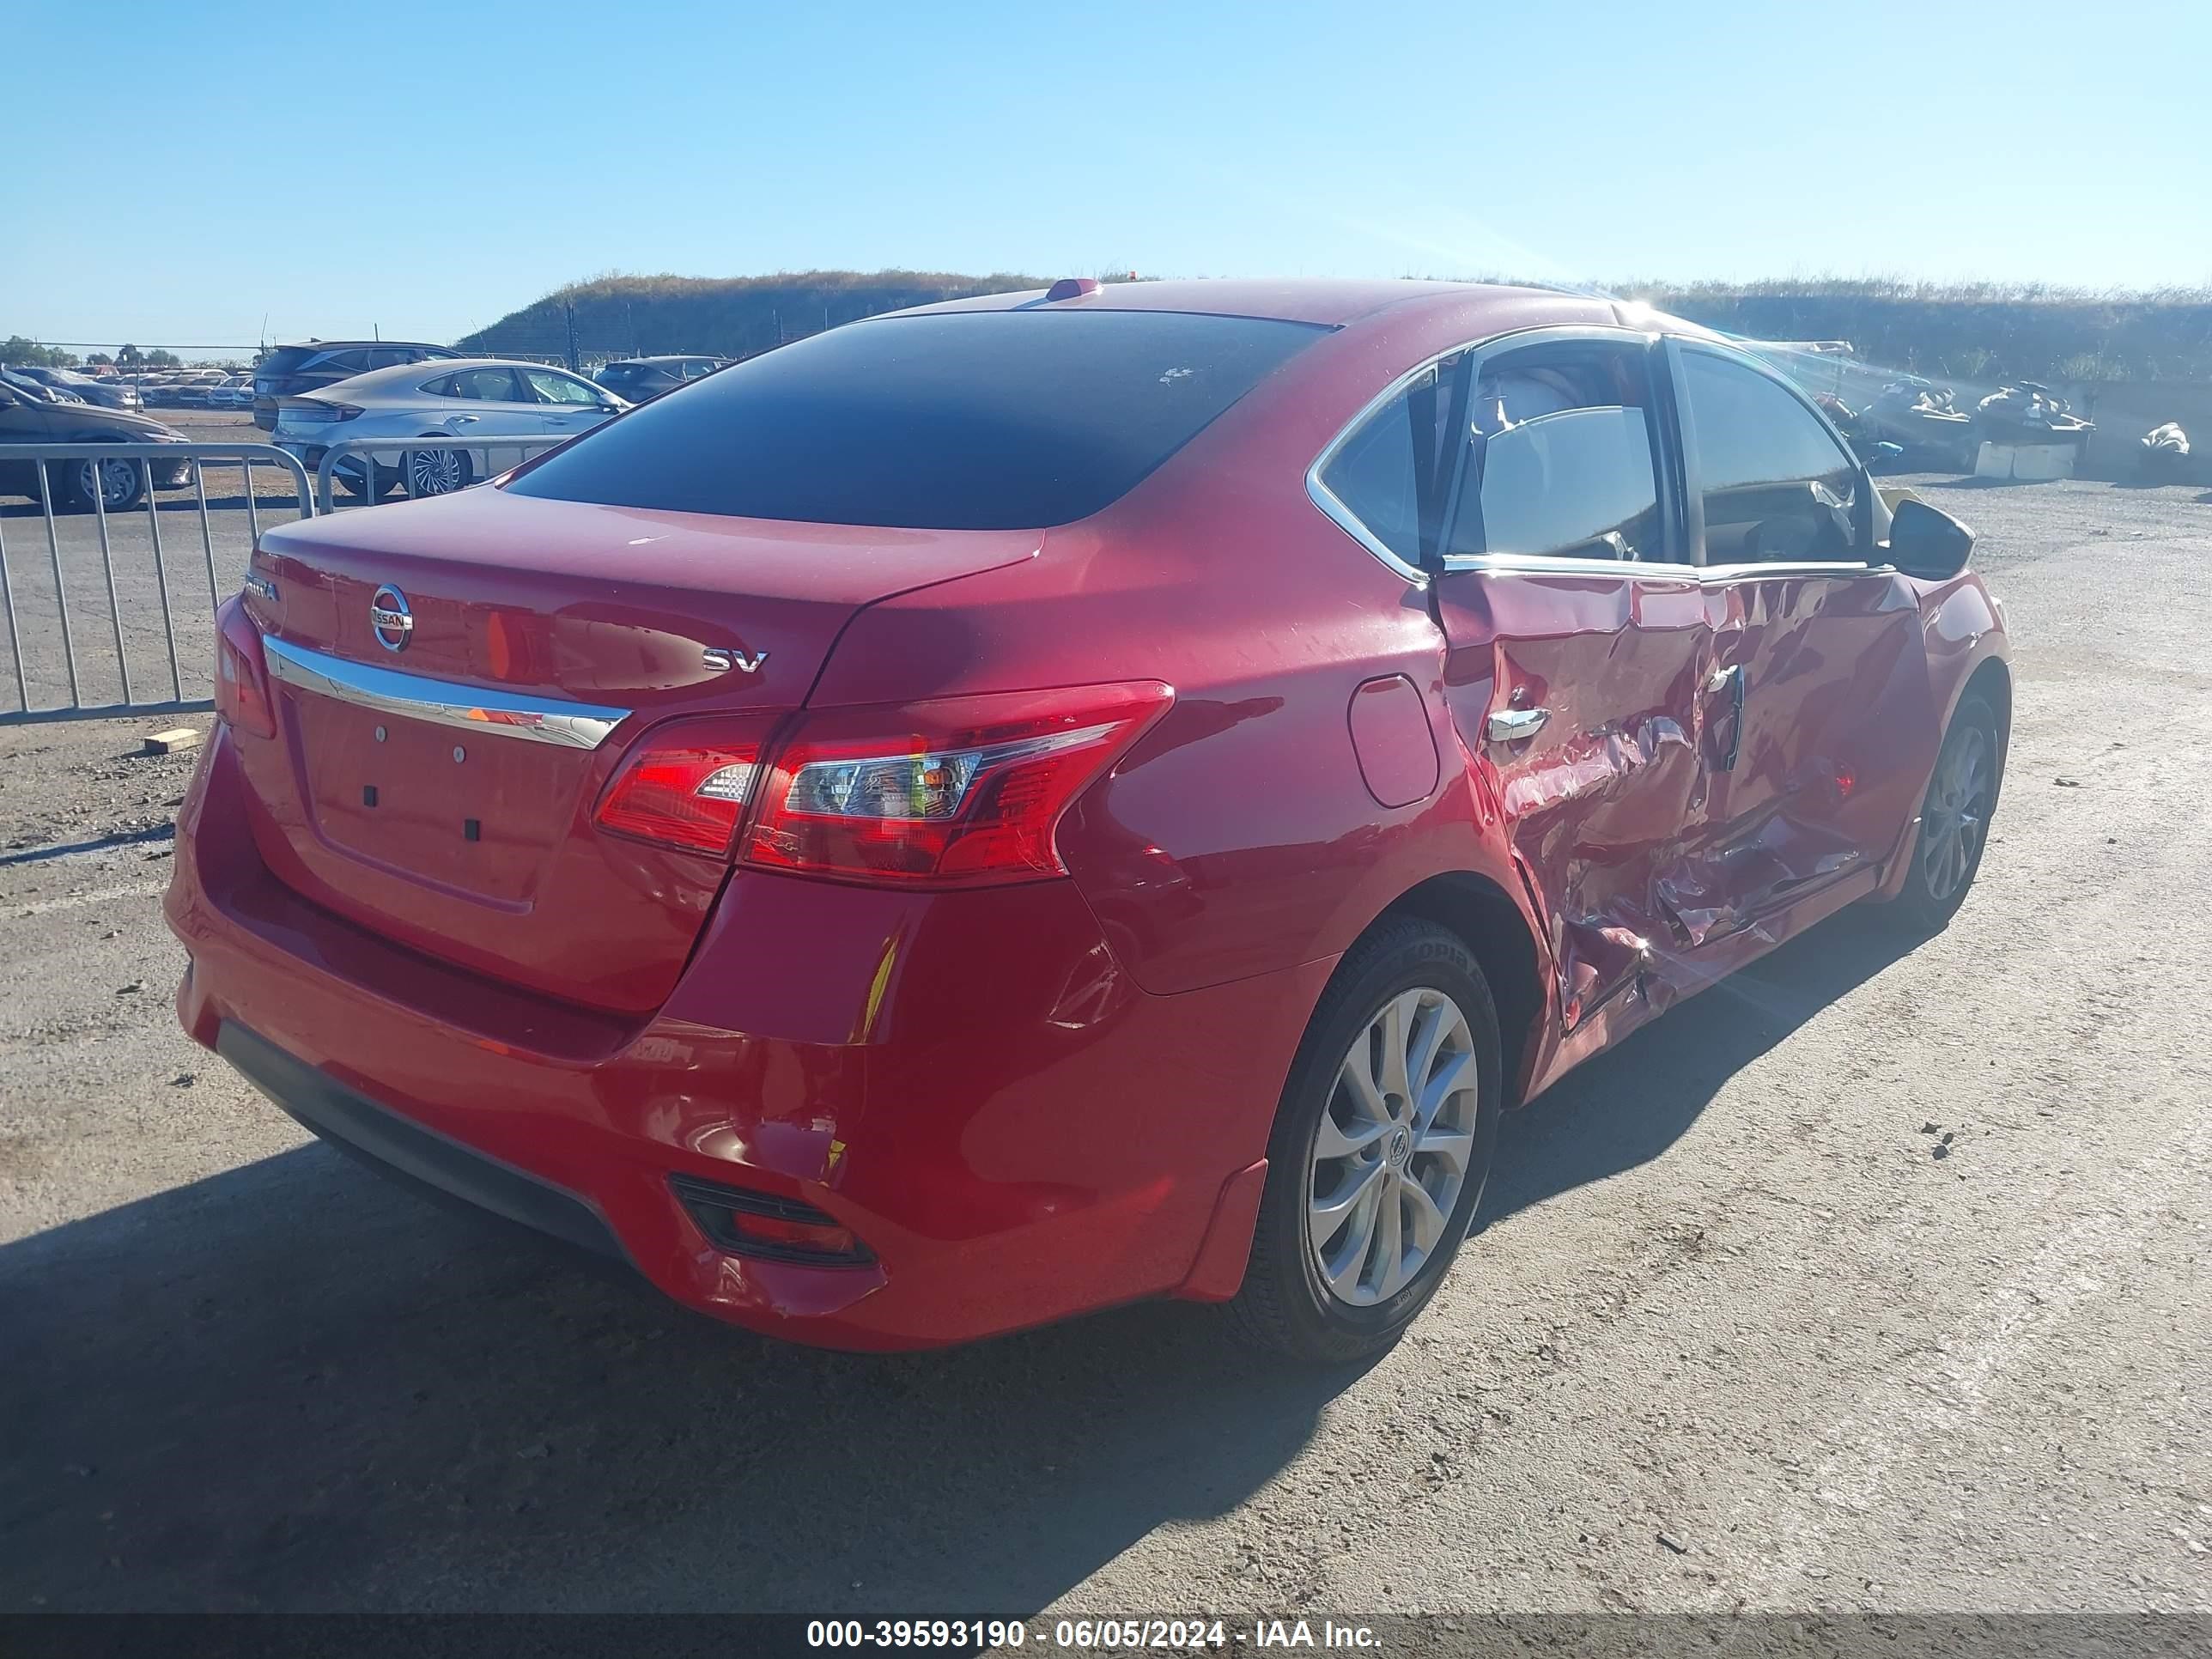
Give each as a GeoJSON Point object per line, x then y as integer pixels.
{"type": "Point", "coordinates": [1926, 542]}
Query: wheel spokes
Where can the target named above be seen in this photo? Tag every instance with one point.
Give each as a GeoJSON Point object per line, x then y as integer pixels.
{"type": "Point", "coordinates": [1449, 1079]}
{"type": "Point", "coordinates": [1391, 1073]}
{"type": "Point", "coordinates": [1359, 1086]}
{"type": "Point", "coordinates": [1330, 1213]}
{"type": "Point", "coordinates": [1454, 1147]}
{"type": "Point", "coordinates": [1390, 1270]}
{"type": "Point", "coordinates": [1425, 1219]}
{"type": "Point", "coordinates": [1357, 1247]}
{"type": "Point", "coordinates": [1335, 1140]}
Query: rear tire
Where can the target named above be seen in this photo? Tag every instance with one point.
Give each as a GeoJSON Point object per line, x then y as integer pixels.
{"type": "Point", "coordinates": [1955, 821]}
{"type": "Point", "coordinates": [355, 489]}
{"type": "Point", "coordinates": [121, 483]}
{"type": "Point", "coordinates": [1371, 1188]}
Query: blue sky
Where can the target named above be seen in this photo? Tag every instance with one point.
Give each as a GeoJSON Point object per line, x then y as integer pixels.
{"type": "Point", "coordinates": [423, 169]}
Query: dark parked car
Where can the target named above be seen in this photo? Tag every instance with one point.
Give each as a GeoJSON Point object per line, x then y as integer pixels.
{"type": "Point", "coordinates": [108, 394]}
{"type": "Point", "coordinates": [121, 482]}
{"type": "Point", "coordinates": [37, 391]}
{"type": "Point", "coordinates": [639, 378]}
{"type": "Point", "coordinates": [1054, 798]}
{"type": "Point", "coordinates": [290, 370]}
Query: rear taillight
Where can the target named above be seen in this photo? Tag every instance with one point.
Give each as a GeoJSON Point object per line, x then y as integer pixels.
{"type": "Point", "coordinates": [687, 784]}
{"type": "Point", "coordinates": [961, 792]}
{"type": "Point", "coordinates": [242, 673]}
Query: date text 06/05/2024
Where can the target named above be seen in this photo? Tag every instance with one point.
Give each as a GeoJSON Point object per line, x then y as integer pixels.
{"type": "Point", "coordinates": [1089, 1634]}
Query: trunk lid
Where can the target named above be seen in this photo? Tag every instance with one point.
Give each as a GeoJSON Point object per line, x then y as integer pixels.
{"type": "Point", "coordinates": [433, 778]}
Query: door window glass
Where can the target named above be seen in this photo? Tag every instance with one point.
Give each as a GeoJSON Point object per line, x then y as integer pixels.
{"type": "Point", "coordinates": [1561, 458]}
{"type": "Point", "coordinates": [553, 388]}
{"type": "Point", "coordinates": [1776, 486]}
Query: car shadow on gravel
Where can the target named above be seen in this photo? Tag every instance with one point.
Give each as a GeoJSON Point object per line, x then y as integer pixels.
{"type": "Point", "coordinates": [294, 1386]}
{"type": "Point", "coordinates": [1629, 1105]}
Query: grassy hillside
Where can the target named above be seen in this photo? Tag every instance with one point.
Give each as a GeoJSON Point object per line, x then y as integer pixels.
{"type": "Point", "coordinates": [727, 316]}
{"type": "Point", "coordinates": [1980, 333]}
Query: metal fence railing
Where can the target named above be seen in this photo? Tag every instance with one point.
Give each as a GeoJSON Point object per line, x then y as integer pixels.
{"type": "Point", "coordinates": [370, 468]}
{"type": "Point", "coordinates": [74, 485]}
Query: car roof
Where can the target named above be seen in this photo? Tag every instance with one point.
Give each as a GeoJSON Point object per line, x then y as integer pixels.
{"type": "Point", "coordinates": [398, 375]}
{"type": "Point", "coordinates": [356, 345]}
{"type": "Point", "coordinates": [1329, 302]}
{"type": "Point", "coordinates": [1335, 302]}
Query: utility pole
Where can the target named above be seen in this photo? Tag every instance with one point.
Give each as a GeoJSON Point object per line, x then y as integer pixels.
{"type": "Point", "coordinates": [568, 311]}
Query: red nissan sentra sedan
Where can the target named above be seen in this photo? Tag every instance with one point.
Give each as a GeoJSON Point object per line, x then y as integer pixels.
{"type": "Point", "coordinates": [1040, 801]}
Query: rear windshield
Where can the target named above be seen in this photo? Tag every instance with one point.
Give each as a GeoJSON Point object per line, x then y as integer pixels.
{"type": "Point", "coordinates": [285, 359]}
{"type": "Point", "coordinates": [967, 421]}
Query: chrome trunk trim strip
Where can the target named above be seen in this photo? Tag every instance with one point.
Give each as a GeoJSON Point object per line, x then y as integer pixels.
{"type": "Point", "coordinates": [443, 702]}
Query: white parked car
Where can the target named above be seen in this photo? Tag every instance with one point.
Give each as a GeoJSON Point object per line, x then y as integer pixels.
{"type": "Point", "coordinates": [235, 392]}
{"type": "Point", "coordinates": [485, 397]}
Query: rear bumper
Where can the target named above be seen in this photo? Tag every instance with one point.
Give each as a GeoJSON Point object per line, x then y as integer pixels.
{"type": "Point", "coordinates": [409, 1152]}
{"type": "Point", "coordinates": [966, 1081]}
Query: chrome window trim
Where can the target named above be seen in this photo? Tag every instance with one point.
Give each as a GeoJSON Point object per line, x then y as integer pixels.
{"type": "Point", "coordinates": [1558, 565]}
{"type": "Point", "coordinates": [1484, 347]}
{"type": "Point", "coordinates": [443, 702]}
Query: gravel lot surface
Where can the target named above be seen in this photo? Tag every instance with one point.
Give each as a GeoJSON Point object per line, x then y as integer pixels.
{"type": "Point", "coordinates": [1869, 1279]}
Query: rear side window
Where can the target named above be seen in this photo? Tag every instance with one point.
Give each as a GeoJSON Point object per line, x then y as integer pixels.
{"type": "Point", "coordinates": [1562, 461]}
{"type": "Point", "coordinates": [486, 384]}
{"type": "Point", "coordinates": [1776, 486]}
{"type": "Point", "coordinates": [963, 420]}
{"type": "Point", "coordinates": [1395, 461]}
{"type": "Point", "coordinates": [344, 362]}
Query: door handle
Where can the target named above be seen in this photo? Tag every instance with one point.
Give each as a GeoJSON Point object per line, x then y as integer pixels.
{"type": "Point", "coordinates": [1733, 680]}
{"type": "Point", "coordinates": [1512, 725]}
{"type": "Point", "coordinates": [464, 420]}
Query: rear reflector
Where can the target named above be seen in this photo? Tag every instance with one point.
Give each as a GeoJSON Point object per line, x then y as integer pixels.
{"type": "Point", "coordinates": [745, 1223]}
{"type": "Point", "coordinates": [961, 792]}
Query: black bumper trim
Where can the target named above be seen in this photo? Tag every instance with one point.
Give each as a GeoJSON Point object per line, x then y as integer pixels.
{"type": "Point", "coordinates": [417, 1157]}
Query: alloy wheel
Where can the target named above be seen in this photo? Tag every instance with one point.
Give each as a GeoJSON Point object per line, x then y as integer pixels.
{"type": "Point", "coordinates": [116, 482]}
{"type": "Point", "coordinates": [1958, 814]}
{"type": "Point", "coordinates": [1393, 1148]}
{"type": "Point", "coordinates": [435, 471]}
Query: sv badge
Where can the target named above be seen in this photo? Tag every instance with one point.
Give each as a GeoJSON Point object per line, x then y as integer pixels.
{"type": "Point", "coordinates": [723, 661]}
